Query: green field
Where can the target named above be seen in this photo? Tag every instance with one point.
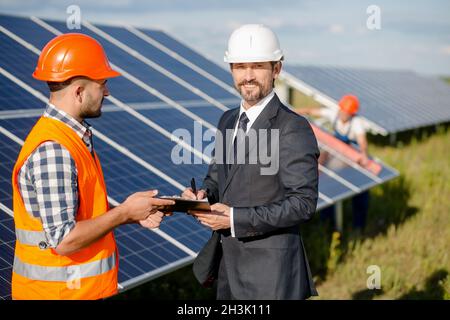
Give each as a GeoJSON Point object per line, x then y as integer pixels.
{"type": "Point", "coordinates": [407, 234]}
{"type": "Point", "coordinates": [408, 231]}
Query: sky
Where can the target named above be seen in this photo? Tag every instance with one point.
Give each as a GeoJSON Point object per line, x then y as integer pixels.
{"type": "Point", "coordinates": [412, 35]}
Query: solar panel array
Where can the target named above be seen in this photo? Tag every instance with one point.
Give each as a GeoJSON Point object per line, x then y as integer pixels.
{"type": "Point", "coordinates": [392, 101]}
{"type": "Point", "coordinates": [165, 86]}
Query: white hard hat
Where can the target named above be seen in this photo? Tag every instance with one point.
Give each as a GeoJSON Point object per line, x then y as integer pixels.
{"type": "Point", "coordinates": [253, 43]}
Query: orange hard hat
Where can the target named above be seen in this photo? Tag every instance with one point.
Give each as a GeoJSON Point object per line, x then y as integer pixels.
{"type": "Point", "coordinates": [70, 55]}
{"type": "Point", "coordinates": [349, 103]}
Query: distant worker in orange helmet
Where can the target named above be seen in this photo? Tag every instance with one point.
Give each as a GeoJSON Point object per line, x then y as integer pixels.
{"type": "Point", "coordinates": [65, 246]}
{"type": "Point", "coordinates": [348, 128]}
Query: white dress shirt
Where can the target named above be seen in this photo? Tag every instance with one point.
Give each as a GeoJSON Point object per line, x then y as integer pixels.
{"type": "Point", "coordinates": [252, 114]}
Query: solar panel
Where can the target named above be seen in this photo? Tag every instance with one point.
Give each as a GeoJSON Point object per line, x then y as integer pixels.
{"type": "Point", "coordinates": [14, 98]}
{"type": "Point", "coordinates": [7, 241]}
{"type": "Point", "coordinates": [138, 42]}
{"type": "Point", "coordinates": [166, 86]}
{"type": "Point", "coordinates": [186, 52]}
{"type": "Point", "coordinates": [390, 101]}
{"type": "Point", "coordinates": [176, 87]}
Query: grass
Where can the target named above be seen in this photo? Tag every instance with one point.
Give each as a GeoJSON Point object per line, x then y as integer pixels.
{"type": "Point", "coordinates": [407, 234]}
{"type": "Point", "coordinates": [408, 230]}
{"type": "Point", "coordinates": [178, 285]}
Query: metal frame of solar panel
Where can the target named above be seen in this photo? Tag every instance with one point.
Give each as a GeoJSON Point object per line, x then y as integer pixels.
{"type": "Point", "coordinates": [391, 100]}
{"type": "Point", "coordinates": [165, 86]}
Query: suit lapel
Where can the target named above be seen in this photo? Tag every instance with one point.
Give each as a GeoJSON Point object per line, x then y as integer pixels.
{"type": "Point", "coordinates": [229, 124]}
{"type": "Point", "coordinates": [262, 122]}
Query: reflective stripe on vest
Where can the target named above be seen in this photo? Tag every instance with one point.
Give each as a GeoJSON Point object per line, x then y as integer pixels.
{"type": "Point", "coordinates": [31, 238]}
{"type": "Point", "coordinates": [64, 274]}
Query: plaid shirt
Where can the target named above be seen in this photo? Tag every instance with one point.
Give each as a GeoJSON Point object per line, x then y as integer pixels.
{"type": "Point", "coordinates": [48, 181]}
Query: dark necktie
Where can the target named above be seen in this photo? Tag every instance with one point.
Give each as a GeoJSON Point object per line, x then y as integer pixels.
{"type": "Point", "coordinates": [91, 141]}
{"type": "Point", "coordinates": [240, 134]}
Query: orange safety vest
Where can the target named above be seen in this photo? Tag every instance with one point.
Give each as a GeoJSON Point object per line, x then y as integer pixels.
{"type": "Point", "coordinates": [41, 273]}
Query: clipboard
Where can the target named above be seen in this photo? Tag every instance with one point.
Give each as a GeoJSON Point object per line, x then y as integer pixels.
{"type": "Point", "coordinates": [183, 205]}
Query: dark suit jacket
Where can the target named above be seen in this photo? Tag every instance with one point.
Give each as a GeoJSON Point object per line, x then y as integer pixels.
{"type": "Point", "coordinates": [266, 259]}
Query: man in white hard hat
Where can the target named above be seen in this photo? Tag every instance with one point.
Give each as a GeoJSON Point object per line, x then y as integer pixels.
{"type": "Point", "coordinates": [256, 251]}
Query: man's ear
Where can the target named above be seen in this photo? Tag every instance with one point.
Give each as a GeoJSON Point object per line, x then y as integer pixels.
{"type": "Point", "coordinates": [78, 92]}
{"type": "Point", "coordinates": [276, 69]}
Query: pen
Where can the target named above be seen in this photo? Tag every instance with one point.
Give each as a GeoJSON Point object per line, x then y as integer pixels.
{"type": "Point", "coordinates": [194, 188]}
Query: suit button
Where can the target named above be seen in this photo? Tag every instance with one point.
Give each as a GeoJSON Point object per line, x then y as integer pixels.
{"type": "Point", "coordinates": [43, 245]}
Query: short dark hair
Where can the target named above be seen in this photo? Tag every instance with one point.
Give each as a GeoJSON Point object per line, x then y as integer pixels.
{"type": "Point", "coordinates": [56, 86]}
{"type": "Point", "coordinates": [273, 63]}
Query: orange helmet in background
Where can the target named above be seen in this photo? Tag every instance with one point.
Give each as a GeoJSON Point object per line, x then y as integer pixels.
{"type": "Point", "coordinates": [70, 55]}
{"type": "Point", "coordinates": [349, 103]}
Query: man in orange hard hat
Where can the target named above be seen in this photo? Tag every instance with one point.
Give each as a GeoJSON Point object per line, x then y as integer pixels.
{"type": "Point", "coordinates": [65, 246]}
{"type": "Point", "coordinates": [348, 128]}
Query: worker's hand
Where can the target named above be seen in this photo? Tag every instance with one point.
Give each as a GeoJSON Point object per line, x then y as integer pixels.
{"type": "Point", "coordinates": [140, 205]}
{"type": "Point", "coordinates": [309, 111]}
{"type": "Point", "coordinates": [153, 220]}
{"type": "Point", "coordinates": [218, 218]}
{"type": "Point", "coordinates": [323, 157]}
{"type": "Point", "coordinates": [189, 194]}
{"type": "Point", "coordinates": [363, 160]}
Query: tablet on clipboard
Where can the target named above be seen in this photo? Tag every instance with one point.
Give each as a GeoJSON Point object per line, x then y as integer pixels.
{"type": "Point", "coordinates": [183, 205]}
